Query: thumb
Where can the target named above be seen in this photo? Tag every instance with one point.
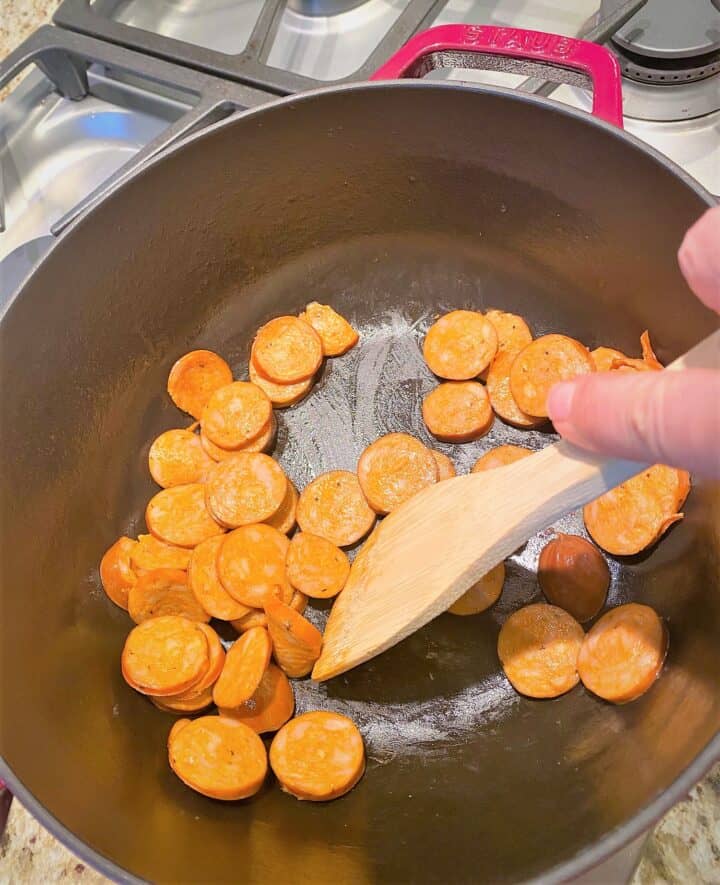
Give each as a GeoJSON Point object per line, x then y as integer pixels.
{"type": "Point", "coordinates": [654, 417]}
{"type": "Point", "coordinates": [699, 258]}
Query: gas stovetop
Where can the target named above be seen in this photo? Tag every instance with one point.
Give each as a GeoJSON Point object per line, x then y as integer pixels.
{"type": "Point", "coordinates": [116, 81]}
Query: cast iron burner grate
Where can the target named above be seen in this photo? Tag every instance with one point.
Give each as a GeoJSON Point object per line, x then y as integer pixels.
{"type": "Point", "coordinates": [253, 65]}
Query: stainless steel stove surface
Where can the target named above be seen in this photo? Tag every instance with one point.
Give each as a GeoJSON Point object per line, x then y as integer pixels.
{"type": "Point", "coordinates": [55, 148]}
{"type": "Point", "coordinates": [224, 25]}
{"type": "Point", "coordinates": [76, 122]}
{"type": "Point", "coordinates": [330, 47]}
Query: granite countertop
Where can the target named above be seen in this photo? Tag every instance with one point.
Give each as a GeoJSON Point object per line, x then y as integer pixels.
{"type": "Point", "coordinates": [684, 848]}
{"type": "Point", "coordinates": [18, 19]}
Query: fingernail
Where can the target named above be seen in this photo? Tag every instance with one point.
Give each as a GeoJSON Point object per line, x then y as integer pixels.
{"type": "Point", "coordinates": [560, 402]}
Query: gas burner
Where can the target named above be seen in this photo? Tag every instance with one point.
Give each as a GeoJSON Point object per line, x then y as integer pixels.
{"type": "Point", "coordinates": [666, 71]}
{"type": "Point", "coordinates": [670, 71]}
{"type": "Point", "coordinates": [669, 42]}
{"type": "Point", "coordinates": [669, 53]}
{"type": "Point", "coordinates": [323, 7]}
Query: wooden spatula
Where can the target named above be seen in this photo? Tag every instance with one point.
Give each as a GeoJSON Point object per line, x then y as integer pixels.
{"type": "Point", "coordinates": [430, 550]}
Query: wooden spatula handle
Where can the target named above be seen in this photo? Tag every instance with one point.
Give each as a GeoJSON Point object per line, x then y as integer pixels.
{"type": "Point", "coordinates": [705, 355]}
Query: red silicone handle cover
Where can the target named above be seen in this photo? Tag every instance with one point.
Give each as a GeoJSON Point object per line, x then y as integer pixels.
{"type": "Point", "coordinates": [598, 63]}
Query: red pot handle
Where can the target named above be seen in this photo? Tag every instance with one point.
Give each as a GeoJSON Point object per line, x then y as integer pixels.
{"type": "Point", "coordinates": [415, 58]}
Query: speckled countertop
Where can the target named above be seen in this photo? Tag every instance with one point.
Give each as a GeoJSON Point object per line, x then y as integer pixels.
{"type": "Point", "coordinates": [684, 848]}
{"type": "Point", "coordinates": [19, 17]}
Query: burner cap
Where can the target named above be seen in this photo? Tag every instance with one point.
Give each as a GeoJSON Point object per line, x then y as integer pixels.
{"type": "Point", "coordinates": [323, 7]}
{"type": "Point", "coordinates": [672, 29]}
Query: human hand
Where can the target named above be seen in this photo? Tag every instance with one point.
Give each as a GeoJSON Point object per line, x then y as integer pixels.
{"type": "Point", "coordinates": [654, 417]}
